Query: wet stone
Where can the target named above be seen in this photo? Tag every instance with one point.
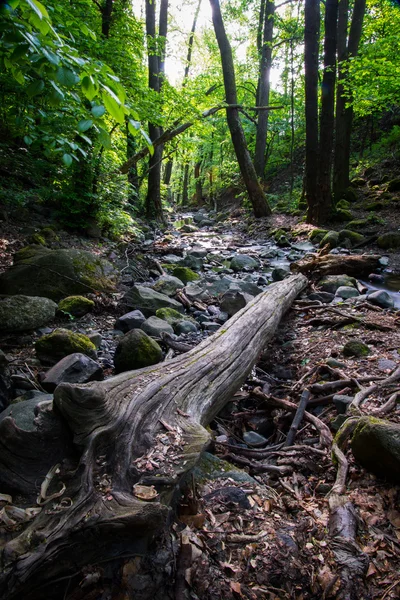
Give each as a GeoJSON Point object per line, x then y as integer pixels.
{"type": "Point", "coordinates": [252, 438]}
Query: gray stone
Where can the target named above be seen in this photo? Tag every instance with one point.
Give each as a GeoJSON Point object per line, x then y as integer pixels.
{"type": "Point", "coordinates": [24, 313]}
{"type": "Point", "coordinates": [168, 285]}
{"type": "Point", "coordinates": [331, 283]}
{"type": "Point", "coordinates": [131, 320]}
{"type": "Point", "coordinates": [192, 262]}
{"type": "Point", "coordinates": [55, 274]}
{"type": "Point", "coordinates": [381, 298]}
{"type": "Point", "coordinates": [384, 364]}
{"type": "Point", "coordinates": [212, 467]}
{"type": "Point", "coordinates": [149, 301]}
{"type": "Point", "coordinates": [324, 297]}
{"type": "Point", "coordinates": [198, 252]}
{"type": "Point", "coordinates": [74, 368]}
{"type": "Point", "coordinates": [196, 292]}
{"type": "Point", "coordinates": [252, 438]}
{"type": "Point", "coordinates": [154, 326]}
{"type": "Point", "coordinates": [172, 259]}
{"type": "Point", "coordinates": [346, 291]}
{"type": "Point", "coordinates": [280, 273]}
{"type": "Point", "coordinates": [341, 402]}
{"type": "Point", "coordinates": [185, 327]}
{"type": "Point", "coordinates": [233, 301]}
{"type": "Point", "coordinates": [376, 446]}
{"type": "Point", "coordinates": [332, 362]}
{"type": "Point", "coordinates": [210, 326]}
{"type": "Point", "coordinates": [96, 338]}
{"type": "Point", "coordinates": [241, 261]}
{"type": "Point", "coordinates": [222, 317]}
{"type": "Point", "coordinates": [135, 351]}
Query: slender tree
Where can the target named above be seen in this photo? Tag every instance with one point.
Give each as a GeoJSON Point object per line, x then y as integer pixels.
{"type": "Point", "coordinates": [256, 194]}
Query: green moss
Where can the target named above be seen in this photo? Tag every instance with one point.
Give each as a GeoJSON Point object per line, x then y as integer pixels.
{"type": "Point", "coordinates": [355, 348]}
{"type": "Point", "coordinates": [374, 206]}
{"type": "Point", "coordinates": [358, 224]}
{"type": "Point", "coordinates": [136, 350]}
{"type": "Point", "coordinates": [331, 238]}
{"type": "Point", "coordinates": [316, 234]}
{"type": "Point", "coordinates": [344, 204]}
{"type": "Point", "coordinates": [60, 343]}
{"type": "Point", "coordinates": [172, 316]}
{"type": "Point", "coordinates": [77, 306]}
{"type": "Point", "coordinates": [391, 239]}
{"type": "Point", "coordinates": [350, 237]}
{"type": "Point", "coordinates": [28, 252]}
{"type": "Point", "coordinates": [36, 238]}
{"type": "Point", "coordinates": [342, 215]}
{"type": "Point", "coordinates": [185, 274]}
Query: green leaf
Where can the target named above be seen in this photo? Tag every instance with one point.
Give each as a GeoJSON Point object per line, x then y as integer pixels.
{"type": "Point", "coordinates": [104, 138]}
{"type": "Point", "coordinates": [35, 88]}
{"type": "Point", "coordinates": [67, 159]}
{"type": "Point", "coordinates": [28, 140]}
{"type": "Point", "coordinates": [85, 124]}
{"type": "Point", "coordinates": [20, 50]}
{"type": "Point", "coordinates": [66, 77]}
{"type": "Point", "coordinates": [115, 110]}
{"type": "Point", "coordinates": [51, 56]}
{"type": "Point", "coordinates": [86, 138]}
{"type": "Point", "coordinates": [88, 87]}
{"type": "Point", "coordinates": [57, 89]}
{"type": "Point", "coordinates": [39, 9]}
{"type": "Point", "coordinates": [98, 110]}
{"type": "Point", "coordinates": [133, 127]}
{"type": "Point", "coordinates": [18, 75]}
{"type": "Point", "coordinates": [149, 142]}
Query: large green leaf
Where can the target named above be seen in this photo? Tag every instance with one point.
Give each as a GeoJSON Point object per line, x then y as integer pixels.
{"type": "Point", "coordinates": [104, 138]}
{"type": "Point", "coordinates": [66, 77]}
{"type": "Point", "coordinates": [115, 110]}
{"type": "Point", "coordinates": [98, 110]}
{"type": "Point", "coordinates": [67, 159]}
{"type": "Point", "coordinates": [38, 7]}
{"type": "Point", "coordinates": [85, 124]}
{"type": "Point", "coordinates": [88, 87]}
{"type": "Point", "coordinates": [35, 88]}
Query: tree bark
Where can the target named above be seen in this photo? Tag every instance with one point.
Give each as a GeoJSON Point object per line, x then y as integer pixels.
{"type": "Point", "coordinates": [185, 185]}
{"type": "Point", "coordinates": [311, 48]}
{"type": "Point", "coordinates": [320, 212]}
{"type": "Point", "coordinates": [190, 44]}
{"type": "Point", "coordinates": [115, 424]}
{"type": "Point", "coordinates": [264, 87]}
{"type": "Point", "coordinates": [336, 264]}
{"type": "Point", "coordinates": [106, 16]}
{"type": "Point", "coordinates": [257, 197]}
{"type": "Point", "coordinates": [199, 183]}
{"type": "Point", "coordinates": [347, 49]}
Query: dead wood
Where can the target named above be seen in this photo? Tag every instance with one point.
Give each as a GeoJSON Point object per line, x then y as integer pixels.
{"type": "Point", "coordinates": [372, 389]}
{"type": "Point", "coordinates": [298, 417]}
{"type": "Point", "coordinates": [137, 433]}
{"type": "Point", "coordinates": [336, 264]}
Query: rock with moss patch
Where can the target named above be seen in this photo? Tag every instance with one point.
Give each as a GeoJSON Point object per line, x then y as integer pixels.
{"type": "Point", "coordinates": [342, 214]}
{"type": "Point", "coordinates": [348, 238]}
{"type": "Point", "coordinates": [388, 240]}
{"type": "Point", "coordinates": [154, 327]}
{"type": "Point", "coordinates": [55, 274]}
{"type": "Point", "coordinates": [350, 195]}
{"type": "Point", "coordinates": [53, 347]}
{"type": "Point", "coordinates": [316, 235]}
{"type": "Point", "coordinates": [148, 301]}
{"type": "Point", "coordinates": [168, 285]}
{"type": "Point", "coordinates": [331, 238]}
{"type": "Point", "coordinates": [171, 316]}
{"type": "Point", "coordinates": [136, 350]}
{"type": "Point", "coordinates": [376, 446]}
{"type": "Point", "coordinates": [187, 228]}
{"type": "Point", "coordinates": [185, 274]}
{"type": "Point", "coordinates": [76, 306]}
{"type": "Point", "coordinates": [376, 205]}
{"type": "Point", "coordinates": [242, 262]}
{"type": "Point", "coordinates": [24, 313]}
{"type": "Point", "coordinates": [358, 182]}
{"type": "Point", "coordinates": [344, 204]}
{"type": "Point", "coordinates": [394, 185]}
{"type": "Point", "coordinates": [358, 224]}
{"type": "Point", "coordinates": [193, 262]}
{"type": "Point", "coordinates": [355, 348]}
{"type": "Point", "coordinates": [347, 291]}
{"type": "Point", "coordinates": [331, 283]}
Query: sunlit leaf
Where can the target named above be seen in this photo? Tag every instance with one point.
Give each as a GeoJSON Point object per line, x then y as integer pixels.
{"type": "Point", "coordinates": [98, 110]}
{"type": "Point", "coordinates": [67, 159]}
{"type": "Point", "coordinates": [85, 124]}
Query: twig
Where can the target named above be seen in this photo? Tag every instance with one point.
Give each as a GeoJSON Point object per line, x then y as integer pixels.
{"type": "Point", "coordinates": [297, 418]}
{"type": "Point", "coordinates": [364, 393]}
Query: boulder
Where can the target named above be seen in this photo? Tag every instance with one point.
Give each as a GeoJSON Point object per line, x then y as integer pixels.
{"type": "Point", "coordinates": [76, 306]}
{"type": "Point", "coordinates": [172, 259]}
{"type": "Point", "coordinates": [233, 301]}
{"type": "Point", "coordinates": [280, 273]}
{"type": "Point", "coordinates": [388, 240]}
{"type": "Point", "coordinates": [154, 327]}
{"type": "Point", "coordinates": [168, 285]}
{"type": "Point", "coordinates": [74, 368]}
{"type": "Point", "coordinates": [331, 238]}
{"type": "Point", "coordinates": [171, 316]}
{"type": "Point", "coordinates": [376, 446]}
{"type": "Point", "coordinates": [324, 297]}
{"type": "Point", "coordinates": [192, 262]}
{"type": "Point", "coordinates": [381, 298]}
{"type": "Point", "coordinates": [347, 291]}
{"type": "Point", "coordinates": [316, 234]}
{"type": "Point", "coordinates": [355, 348]}
{"type": "Point", "coordinates": [195, 292]}
{"type": "Point", "coordinates": [350, 238]}
{"type": "Point", "coordinates": [131, 320]}
{"type": "Point", "coordinates": [241, 261]}
{"type": "Point", "coordinates": [185, 274]}
{"type": "Point", "coordinates": [148, 301]}
{"type": "Point", "coordinates": [184, 327]}
{"type": "Point", "coordinates": [53, 347]}
{"type": "Point", "coordinates": [135, 351]}
{"type": "Point", "coordinates": [23, 313]}
{"type": "Point", "coordinates": [331, 283]}
{"type": "Point", "coordinates": [55, 274]}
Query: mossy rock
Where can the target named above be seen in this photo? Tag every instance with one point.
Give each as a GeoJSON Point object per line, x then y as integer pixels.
{"type": "Point", "coordinates": [342, 214]}
{"type": "Point", "coordinates": [331, 238]}
{"type": "Point", "coordinates": [38, 239]}
{"type": "Point", "coordinates": [136, 350]}
{"type": "Point", "coordinates": [350, 195]}
{"type": "Point", "coordinates": [358, 224]}
{"type": "Point", "coordinates": [350, 238]}
{"type": "Point", "coordinates": [185, 274]}
{"type": "Point", "coordinates": [316, 235]}
{"type": "Point", "coordinates": [374, 206]}
{"type": "Point", "coordinates": [331, 283]}
{"type": "Point", "coordinates": [148, 301]}
{"type": "Point", "coordinates": [394, 185]}
{"type": "Point", "coordinates": [76, 306]}
{"type": "Point", "coordinates": [355, 348]}
{"type": "Point", "coordinates": [24, 313]}
{"type": "Point", "coordinates": [53, 347]}
{"type": "Point", "coordinates": [388, 240]}
{"type": "Point", "coordinates": [376, 446]}
{"type": "Point", "coordinates": [172, 316]}
{"type": "Point", "coordinates": [56, 274]}
{"type": "Point", "coordinates": [358, 182]}
{"type": "Point", "coordinates": [343, 204]}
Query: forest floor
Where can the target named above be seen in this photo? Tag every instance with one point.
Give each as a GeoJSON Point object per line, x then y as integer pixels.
{"type": "Point", "coordinates": [244, 531]}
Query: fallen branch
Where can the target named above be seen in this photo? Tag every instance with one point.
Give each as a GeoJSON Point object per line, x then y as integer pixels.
{"type": "Point", "coordinates": [297, 418]}
{"type": "Point", "coordinates": [363, 394]}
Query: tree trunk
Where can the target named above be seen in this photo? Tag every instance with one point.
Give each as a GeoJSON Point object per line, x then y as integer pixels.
{"type": "Point", "coordinates": [320, 213]}
{"type": "Point", "coordinates": [133, 177]}
{"type": "Point", "coordinates": [106, 15]}
{"type": "Point", "coordinates": [336, 264]}
{"type": "Point", "coordinates": [344, 115]}
{"type": "Point", "coordinates": [185, 185]}
{"type": "Point", "coordinates": [257, 197]}
{"type": "Point", "coordinates": [190, 44]}
{"type": "Point", "coordinates": [162, 36]}
{"type": "Point", "coordinates": [311, 48]}
{"type": "Point", "coordinates": [199, 183]}
{"type": "Point", "coordinates": [115, 424]}
{"type": "Point", "coordinates": [264, 88]}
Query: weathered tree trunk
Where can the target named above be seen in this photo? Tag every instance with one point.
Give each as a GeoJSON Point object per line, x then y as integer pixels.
{"type": "Point", "coordinates": [257, 197]}
{"type": "Point", "coordinates": [311, 46]}
{"type": "Point", "coordinates": [185, 185]}
{"type": "Point", "coordinates": [190, 44]}
{"type": "Point", "coordinates": [115, 424]}
{"type": "Point", "coordinates": [336, 264]}
{"type": "Point", "coordinates": [320, 212]}
{"type": "Point", "coordinates": [268, 10]}
{"type": "Point", "coordinates": [199, 183]}
{"type": "Point", "coordinates": [106, 16]}
{"type": "Point", "coordinates": [344, 114]}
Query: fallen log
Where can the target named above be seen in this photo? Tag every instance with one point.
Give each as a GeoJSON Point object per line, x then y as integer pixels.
{"type": "Point", "coordinates": [337, 264]}
{"type": "Point", "coordinates": [138, 434]}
